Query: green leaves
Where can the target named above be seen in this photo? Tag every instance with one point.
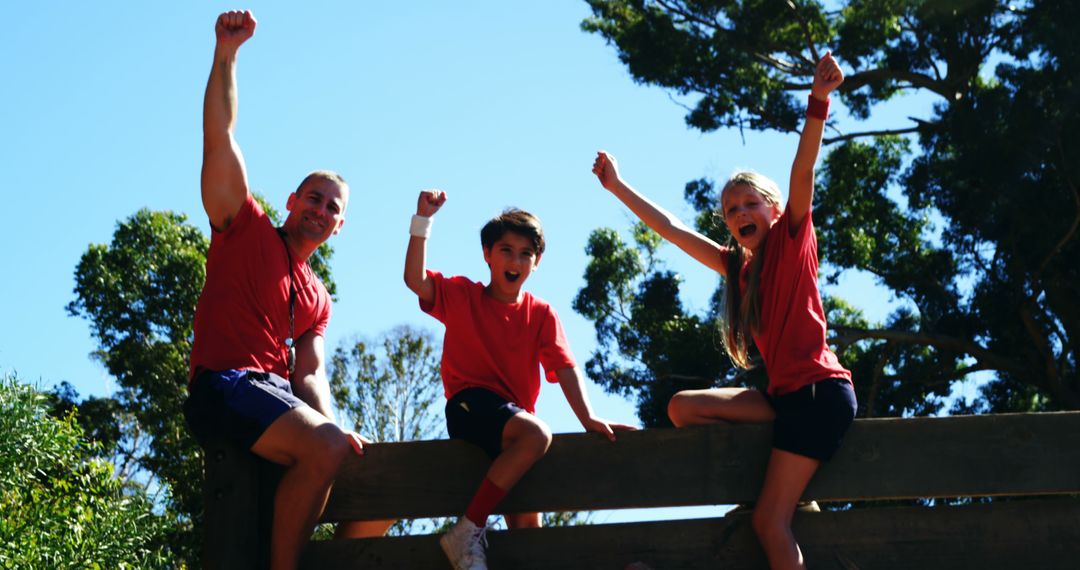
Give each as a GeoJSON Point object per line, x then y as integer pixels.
{"type": "Point", "coordinates": [391, 391]}
{"type": "Point", "coordinates": [971, 219]}
{"type": "Point", "coordinates": [60, 506]}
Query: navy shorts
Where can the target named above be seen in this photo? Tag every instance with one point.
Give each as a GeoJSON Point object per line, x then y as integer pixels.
{"type": "Point", "coordinates": [236, 404]}
{"type": "Point", "coordinates": [812, 420]}
{"type": "Point", "coordinates": [478, 416]}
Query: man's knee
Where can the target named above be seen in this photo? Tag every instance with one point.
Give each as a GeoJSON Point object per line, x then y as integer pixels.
{"type": "Point", "coordinates": [331, 447]}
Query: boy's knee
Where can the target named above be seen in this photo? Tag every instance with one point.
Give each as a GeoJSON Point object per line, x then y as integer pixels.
{"type": "Point", "coordinates": [536, 438]}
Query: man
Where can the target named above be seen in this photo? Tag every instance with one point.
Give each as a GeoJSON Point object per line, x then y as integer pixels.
{"type": "Point", "coordinates": [258, 360]}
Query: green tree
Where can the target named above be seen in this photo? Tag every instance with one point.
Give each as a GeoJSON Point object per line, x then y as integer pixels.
{"type": "Point", "coordinates": [139, 294]}
{"type": "Point", "coordinates": [60, 506]}
{"type": "Point", "coordinates": [968, 217]}
{"type": "Point", "coordinates": [390, 390]}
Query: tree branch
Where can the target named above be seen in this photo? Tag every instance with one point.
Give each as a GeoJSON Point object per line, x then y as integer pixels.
{"type": "Point", "coordinates": [1051, 375]}
{"type": "Point", "coordinates": [806, 31]}
{"type": "Point", "coordinates": [875, 380]}
{"type": "Point", "coordinates": [850, 136]}
{"type": "Point", "coordinates": [848, 335]}
{"type": "Point", "coordinates": [879, 75]}
{"type": "Point", "coordinates": [1076, 217]}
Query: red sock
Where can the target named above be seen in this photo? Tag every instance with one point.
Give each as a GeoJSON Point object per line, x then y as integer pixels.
{"type": "Point", "coordinates": [483, 502]}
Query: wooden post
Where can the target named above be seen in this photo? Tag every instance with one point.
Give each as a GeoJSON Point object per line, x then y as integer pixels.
{"type": "Point", "coordinates": [239, 507]}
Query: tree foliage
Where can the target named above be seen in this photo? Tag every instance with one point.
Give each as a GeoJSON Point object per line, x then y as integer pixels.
{"type": "Point", "coordinates": [968, 217]}
{"type": "Point", "coordinates": [139, 294]}
{"type": "Point", "coordinates": [60, 506]}
{"type": "Point", "coordinates": [390, 390]}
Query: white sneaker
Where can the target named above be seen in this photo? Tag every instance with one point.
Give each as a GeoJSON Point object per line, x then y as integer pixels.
{"type": "Point", "coordinates": [464, 545]}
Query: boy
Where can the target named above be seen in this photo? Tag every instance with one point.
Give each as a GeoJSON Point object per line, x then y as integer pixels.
{"type": "Point", "coordinates": [496, 336]}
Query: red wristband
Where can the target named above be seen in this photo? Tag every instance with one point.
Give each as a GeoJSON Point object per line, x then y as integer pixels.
{"type": "Point", "coordinates": [817, 108]}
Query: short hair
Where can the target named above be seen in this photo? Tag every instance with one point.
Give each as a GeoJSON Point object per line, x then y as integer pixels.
{"type": "Point", "coordinates": [513, 220]}
{"type": "Point", "coordinates": [325, 175]}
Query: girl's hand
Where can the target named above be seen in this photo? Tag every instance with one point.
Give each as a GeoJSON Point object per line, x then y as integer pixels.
{"type": "Point", "coordinates": [606, 169]}
{"type": "Point", "coordinates": [429, 202]}
{"type": "Point", "coordinates": [827, 77]}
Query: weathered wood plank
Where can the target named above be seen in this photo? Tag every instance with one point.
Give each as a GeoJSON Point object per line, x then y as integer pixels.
{"type": "Point", "coordinates": [1042, 534]}
{"type": "Point", "coordinates": [1009, 454]}
{"type": "Point", "coordinates": [238, 494]}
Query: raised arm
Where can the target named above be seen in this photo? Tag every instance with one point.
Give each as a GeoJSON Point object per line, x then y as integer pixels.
{"type": "Point", "coordinates": [827, 77]}
{"type": "Point", "coordinates": [224, 180]}
{"type": "Point", "coordinates": [660, 220]}
{"type": "Point", "coordinates": [416, 277]}
{"type": "Point", "coordinates": [573, 387]}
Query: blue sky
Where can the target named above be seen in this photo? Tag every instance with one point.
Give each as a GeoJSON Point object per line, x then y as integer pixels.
{"type": "Point", "coordinates": [497, 103]}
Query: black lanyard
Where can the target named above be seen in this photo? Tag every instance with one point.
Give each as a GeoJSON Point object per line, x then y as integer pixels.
{"type": "Point", "coordinates": [289, 344]}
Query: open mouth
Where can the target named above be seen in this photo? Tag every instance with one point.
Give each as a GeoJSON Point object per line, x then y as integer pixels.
{"type": "Point", "coordinates": [747, 230]}
{"type": "Point", "coordinates": [511, 276]}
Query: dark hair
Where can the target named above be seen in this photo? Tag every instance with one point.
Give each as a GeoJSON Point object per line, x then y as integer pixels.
{"type": "Point", "coordinates": [513, 220]}
{"type": "Point", "coordinates": [325, 175]}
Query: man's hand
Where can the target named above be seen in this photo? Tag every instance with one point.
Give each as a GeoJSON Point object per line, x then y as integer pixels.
{"type": "Point", "coordinates": [606, 428]}
{"type": "Point", "coordinates": [233, 28]}
{"type": "Point", "coordinates": [606, 169]}
{"type": "Point", "coordinates": [357, 441]}
{"type": "Point", "coordinates": [429, 202]}
{"type": "Point", "coordinates": [827, 77]}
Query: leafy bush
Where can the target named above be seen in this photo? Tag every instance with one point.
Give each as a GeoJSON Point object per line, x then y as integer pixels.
{"type": "Point", "coordinates": [60, 507]}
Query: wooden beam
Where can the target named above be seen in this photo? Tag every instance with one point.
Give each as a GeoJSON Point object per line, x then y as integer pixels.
{"type": "Point", "coordinates": [238, 494]}
{"type": "Point", "coordinates": [1009, 454]}
{"type": "Point", "coordinates": [1003, 535]}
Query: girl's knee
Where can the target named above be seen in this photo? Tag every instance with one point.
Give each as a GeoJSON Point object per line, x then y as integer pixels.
{"type": "Point", "coordinates": [677, 409]}
{"type": "Point", "coordinates": [770, 526]}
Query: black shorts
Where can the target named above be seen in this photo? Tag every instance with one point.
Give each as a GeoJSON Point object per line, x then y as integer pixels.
{"type": "Point", "coordinates": [812, 420]}
{"type": "Point", "coordinates": [237, 404]}
{"type": "Point", "coordinates": [478, 416]}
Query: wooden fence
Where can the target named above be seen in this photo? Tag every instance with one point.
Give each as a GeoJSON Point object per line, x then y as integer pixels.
{"type": "Point", "coordinates": [1029, 462]}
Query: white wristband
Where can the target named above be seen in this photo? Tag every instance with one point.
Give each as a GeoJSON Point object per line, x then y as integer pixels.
{"type": "Point", "coordinates": [420, 227]}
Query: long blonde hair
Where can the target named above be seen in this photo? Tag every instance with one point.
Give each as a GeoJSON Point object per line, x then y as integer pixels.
{"type": "Point", "coordinates": [742, 310]}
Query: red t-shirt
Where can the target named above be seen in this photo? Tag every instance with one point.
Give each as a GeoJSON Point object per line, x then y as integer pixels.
{"type": "Point", "coordinates": [792, 335]}
{"type": "Point", "coordinates": [494, 345]}
{"type": "Point", "coordinates": [242, 319]}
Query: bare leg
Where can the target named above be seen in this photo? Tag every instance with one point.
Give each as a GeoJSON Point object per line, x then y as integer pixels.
{"type": "Point", "coordinates": [313, 448]}
{"type": "Point", "coordinates": [363, 529]}
{"type": "Point", "coordinates": [523, 520]}
{"type": "Point", "coordinates": [785, 480]}
{"type": "Point", "coordinates": [525, 440]}
{"type": "Point", "coordinates": [737, 405]}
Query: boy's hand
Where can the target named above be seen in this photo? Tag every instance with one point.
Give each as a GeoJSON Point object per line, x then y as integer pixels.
{"type": "Point", "coordinates": [429, 202]}
{"type": "Point", "coordinates": [606, 169]}
{"type": "Point", "coordinates": [233, 28]}
{"type": "Point", "coordinates": [605, 427]}
{"type": "Point", "coordinates": [827, 77]}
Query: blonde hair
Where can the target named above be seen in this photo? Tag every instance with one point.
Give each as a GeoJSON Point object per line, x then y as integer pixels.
{"type": "Point", "coordinates": [742, 310]}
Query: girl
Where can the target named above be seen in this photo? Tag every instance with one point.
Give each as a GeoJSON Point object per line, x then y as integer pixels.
{"type": "Point", "coordinates": [772, 296]}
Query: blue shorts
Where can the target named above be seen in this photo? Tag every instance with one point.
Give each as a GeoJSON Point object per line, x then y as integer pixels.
{"type": "Point", "coordinates": [237, 404]}
{"type": "Point", "coordinates": [812, 420]}
{"type": "Point", "coordinates": [478, 416]}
